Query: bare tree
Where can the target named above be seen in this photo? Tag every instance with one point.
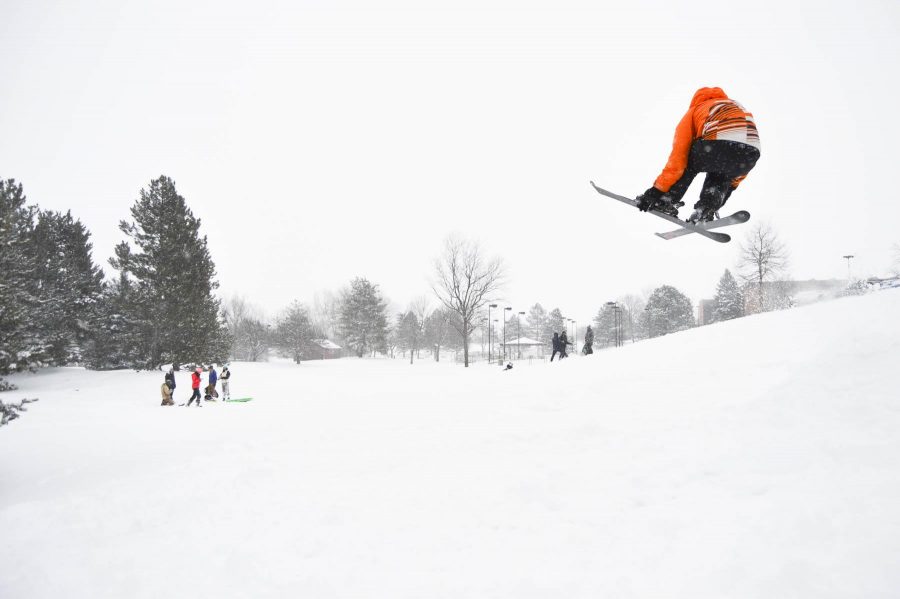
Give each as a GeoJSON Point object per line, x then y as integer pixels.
{"type": "Point", "coordinates": [325, 312]}
{"type": "Point", "coordinates": [464, 282]}
{"type": "Point", "coordinates": [763, 257]}
{"type": "Point", "coordinates": [421, 307]}
{"type": "Point", "coordinates": [250, 333]}
{"type": "Point", "coordinates": [634, 307]}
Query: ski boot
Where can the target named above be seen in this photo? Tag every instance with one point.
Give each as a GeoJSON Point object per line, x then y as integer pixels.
{"type": "Point", "coordinates": [702, 214]}
{"type": "Point", "coordinates": [666, 207]}
{"type": "Point", "coordinates": [654, 199]}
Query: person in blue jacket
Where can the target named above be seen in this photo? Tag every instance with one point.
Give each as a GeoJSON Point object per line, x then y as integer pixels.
{"type": "Point", "coordinates": [211, 392]}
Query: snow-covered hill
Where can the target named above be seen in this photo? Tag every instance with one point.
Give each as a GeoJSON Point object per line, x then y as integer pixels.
{"type": "Point", "coordinates": [754, 458]}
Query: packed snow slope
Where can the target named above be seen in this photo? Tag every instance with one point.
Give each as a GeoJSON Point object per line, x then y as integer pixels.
{"type": "Point", "coordinates": [754, 458]}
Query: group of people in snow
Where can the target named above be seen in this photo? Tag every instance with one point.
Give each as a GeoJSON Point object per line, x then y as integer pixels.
{"type": "Point", "coordinates": [210, 393]}
{"type": "Point", "coordinates": [561, 340]}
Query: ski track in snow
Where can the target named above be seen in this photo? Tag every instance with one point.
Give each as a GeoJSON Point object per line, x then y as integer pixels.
{"type": "Point", "coordinates": [753, 458]}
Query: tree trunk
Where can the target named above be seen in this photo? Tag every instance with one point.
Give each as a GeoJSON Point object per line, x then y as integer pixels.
{"type": "Point", "coordinates": [466, 342]}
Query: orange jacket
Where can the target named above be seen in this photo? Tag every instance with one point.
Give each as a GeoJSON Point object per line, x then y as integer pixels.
{"type": "Point", "coordinates": [712, 115]}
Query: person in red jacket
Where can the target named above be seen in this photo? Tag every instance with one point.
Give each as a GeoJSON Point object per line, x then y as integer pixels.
{"type": "Point", "coordinates": [716, 136]}
{"type": "Point", "coordinates": [195, 385]}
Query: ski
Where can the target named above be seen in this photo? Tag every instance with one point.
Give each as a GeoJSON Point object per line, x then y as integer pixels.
{"type": "Point", "coordinates": [720, 237]}
{"type": "Point", "coordinates": [239, 399]}
{"type": "Point", "coordinates": [737, 218]}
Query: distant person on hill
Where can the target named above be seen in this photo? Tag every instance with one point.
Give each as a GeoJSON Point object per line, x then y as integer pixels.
{"type": "Point", "coordinates": [588, 341]}
{"type": "Point", "coordinates": [170, 381]}
{"type": "Point", "coordinates": [556, 349]}
{"type": "Point", "coordinates": [226, 374]}
{"type": "Point", "coordinates": [195, 385]}
{"type": "Point", "coordinates": [563, 342]}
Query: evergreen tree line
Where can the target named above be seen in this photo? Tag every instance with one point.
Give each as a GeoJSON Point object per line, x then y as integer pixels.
{"type": "Point", "coordinates": [56, 307]}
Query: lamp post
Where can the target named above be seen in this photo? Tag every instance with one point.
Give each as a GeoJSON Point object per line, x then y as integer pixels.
{"type": "Point", "coordinates": [575, 336]}
{"type": "Point", "coordinates": [483, 322]}
{"type": "Point", "coordinates": [649, 322]}
{"type": "Point", "coordinates": [519, 336]}
{"type": "Point", "coordinates": [495, 322]}
{"type": "Point", "coordinates": [489, 330]}
{"type": "Point", "coordinates": [848, 258]}
{"type": "Point", "coordinates": [615, 308]}
{"type": "Point", "coordinates": [505, 310]}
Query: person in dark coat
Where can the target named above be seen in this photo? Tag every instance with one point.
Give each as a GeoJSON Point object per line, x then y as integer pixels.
{"type": "Point", "coordinates": [170, 383]}
{"type": "Point", "coordinates": [563, 342]}
{"type": "Point", "coordinates": [556, 349]}
{"type": "Point", "coordinates": [211, 393]}
{"type": "Point", "coordinates": [588, 341]}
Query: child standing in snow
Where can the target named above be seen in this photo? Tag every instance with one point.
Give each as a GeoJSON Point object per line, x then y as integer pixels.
{"type": "Point", "coordinates": [226, 392]}
{"type": "Point", "coordinates": [170, 381]}
{"type": "Point", "coordinates": [195, 385]}
{"type": "Point", "coordinates": [166, 393]}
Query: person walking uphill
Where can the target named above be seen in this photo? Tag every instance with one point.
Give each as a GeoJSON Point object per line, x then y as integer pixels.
{"type": "Point", "coordinates": [555, 343]}
{"type": "Point", "coordinates": [195, 385]}
{"type": "Point", "coordinates": [588, 341]}
{"type": "Point", "coordinates": [563, 342]}
{"type": "Point", "coordinates": [716, 136]}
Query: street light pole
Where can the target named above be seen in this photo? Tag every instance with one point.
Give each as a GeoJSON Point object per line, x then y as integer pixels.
{"type": "Point", "coordinates": [505, 310]}
{"type": "Point", "coordinates": [575, 336]}
{"type": "Point", "coordinates": [615, 308]}
{"type": "Point", "coordinates": [849, 258]}
{"type": "Point", "coordinates": [519, 336]}
{"type": "Point", "coordinates": [495, 321]}
{"type": "Point", "coordinates": [489, 330]}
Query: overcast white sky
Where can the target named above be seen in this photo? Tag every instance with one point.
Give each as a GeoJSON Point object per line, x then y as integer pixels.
{"type": "Point", "coordinates": [319, 141]}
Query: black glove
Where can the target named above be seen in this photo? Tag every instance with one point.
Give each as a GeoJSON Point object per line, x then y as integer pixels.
{"type": "Point", "coordinates": [646, 200]}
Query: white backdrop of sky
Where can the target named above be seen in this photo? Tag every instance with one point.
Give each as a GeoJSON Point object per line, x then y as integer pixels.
{"type": "Point", "coordinates": [319, 141]}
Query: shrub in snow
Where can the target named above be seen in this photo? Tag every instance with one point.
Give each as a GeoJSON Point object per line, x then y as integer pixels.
{"type": "Point", "coordinates": [11, 411]}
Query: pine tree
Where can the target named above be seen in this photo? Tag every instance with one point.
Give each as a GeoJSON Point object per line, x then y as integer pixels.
{"type": "Point", "coordinates": [172, 312]}
{"type": "Point", "coordinates": [536, 322]}
{"type": "Point", "coordinates": [605, 325]}
{"type": "Point", "coordinates": [294, 332]}
{"type": "Point", "coordinates": [556, 323]}
{"type": "Point", "coordinates": [115, 340]}
{"type": "Point", "coordinates": [20, 348]}
{"type": "Point", "coordinates": [363, 322]}
{"type": "Point", "coordinates": [729, 301]}
{"type": "Point", "coordinates": [69, 285]}
{"type": "Point", "coordinates": [408, 333]}
{"type": "Point", "coordinates": [669, 310]}
{"type": "Point", "coordinates": [437, 330]}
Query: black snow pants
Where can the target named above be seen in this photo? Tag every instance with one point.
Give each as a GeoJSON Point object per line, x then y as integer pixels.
{"type": "Point", "coordinates": [723, 161]}
{"type": "Point", "coordinates": [196, 395]}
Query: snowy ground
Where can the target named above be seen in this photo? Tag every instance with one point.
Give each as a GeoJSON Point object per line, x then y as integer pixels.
{"type": "Point", "coordinates": [756, 458]}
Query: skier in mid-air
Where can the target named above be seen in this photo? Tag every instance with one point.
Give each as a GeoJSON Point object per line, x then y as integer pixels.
{"type": "Point", "coordinates": [716, 136]}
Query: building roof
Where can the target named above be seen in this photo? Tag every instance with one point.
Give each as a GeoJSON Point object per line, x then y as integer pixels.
{"type": "Point", "coordinates": [326, 344]}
